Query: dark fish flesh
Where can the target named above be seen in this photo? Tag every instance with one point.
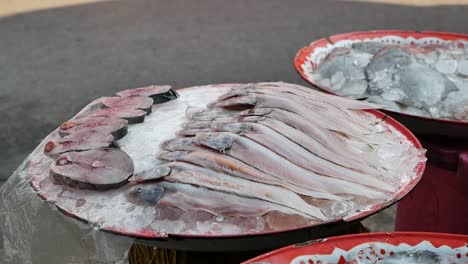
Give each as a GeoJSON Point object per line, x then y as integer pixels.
{"type": "Point", "coordinates": [135, 102]}
{"type": "Point", "coordinates": [96, 169]}
{"type": "Point", "coordinates": [105, 124]}
{"type": "Point", "coordinates": [85, 140]}
{"type": "Point", "coordinates": [159, 93]}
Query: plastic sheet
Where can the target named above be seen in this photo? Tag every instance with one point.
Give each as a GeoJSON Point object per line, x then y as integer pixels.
{"type": "Point", "coordinates": [34, 231]}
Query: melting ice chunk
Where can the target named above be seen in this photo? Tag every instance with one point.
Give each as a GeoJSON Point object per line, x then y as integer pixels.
{"type": "Point", "coordinates": [447, 66]}
{"type": "Point", "coordinates": [419, 257]}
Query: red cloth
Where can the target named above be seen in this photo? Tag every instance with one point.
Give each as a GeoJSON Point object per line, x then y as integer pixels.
{"type": "Point", "coordinates": [439, 202]}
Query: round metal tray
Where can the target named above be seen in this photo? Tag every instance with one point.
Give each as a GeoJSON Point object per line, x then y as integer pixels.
{"type": "Point", "coordinates": [241, 242]}
{"type": "Point", "coordinates": [309, 57]}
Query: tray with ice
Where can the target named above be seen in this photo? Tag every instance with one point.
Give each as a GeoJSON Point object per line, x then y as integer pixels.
{"type": "Point", "coordinates": [423, 74]}
{"type": "Point", "coordinates": [374, 248]}
{"type": "Point", "coordinates": [224, 161]}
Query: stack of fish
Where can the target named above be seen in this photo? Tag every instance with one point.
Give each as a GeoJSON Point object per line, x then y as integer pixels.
{"type": "Point", "coordinates": [425, 80]}
{"type": "Point", "coordinates": [271, 147]}
{"type": "Point", "coordinates": [86, 154]}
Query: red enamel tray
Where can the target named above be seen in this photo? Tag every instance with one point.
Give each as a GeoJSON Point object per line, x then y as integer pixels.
{"type": "Point", "coordinates": [244, 241]}
{"type": "Point", "coordinates": [369, 248]}
{"type": "Point", "coordinates": [309, 57]}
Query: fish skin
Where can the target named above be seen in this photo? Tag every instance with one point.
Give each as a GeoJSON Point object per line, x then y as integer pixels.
{"type": "Point", "coordinates": [202, 114]}
{"type": "Point", "coordinates": [265, 160]}
{"type": "Point", "coordinates": [316, 132]}
{"type": "Point", "coordinates": [178, 143]}
{"type": "Point", "coordinates": [312, 94]}
{"type": "Point", "coordinates": [145, 194]}
{"type": "Point", "coordinates": [196, 124]}
{"type": "Point", "coordinates": [330, 110]}
{"type": "Point", "coordinates": [136, 102]}
{"type": "Point", "coordinates": [195, 175]}
{"type": "Point", "coordinates": [225, 164]}
{"type": "Point", "coordinates": [151, 174]}
{"type": "Point", "coordinates": [191, 198]}
{"type": "Point", "coordinates": [269, 101]}
{"type": "Point", "coordinates": [191, 132]}
{"type": "Point", "coordinates": [289, 150]}
{"type": "Point", "coordinates": [311, 144]}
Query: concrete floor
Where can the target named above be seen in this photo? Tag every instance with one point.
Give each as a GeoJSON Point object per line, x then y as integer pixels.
{"type": "Point", "coordinates": [53, 62]}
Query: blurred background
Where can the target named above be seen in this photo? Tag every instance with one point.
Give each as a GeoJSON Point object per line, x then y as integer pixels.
{"type": "Point", "coordinates": [57, 55]}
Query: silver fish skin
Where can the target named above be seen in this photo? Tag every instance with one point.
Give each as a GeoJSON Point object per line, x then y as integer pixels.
{"type": "Point", "coordinates": [328, 110]}
{"type": "Point", "coordinates": [314, 131]}
{"type": "Point", "coordinates": [312, 144]}
{"type": "Point", "coordinates": [191, 174]}
{"type": "Point", "coordinates": [269, 101]}
{"type": "Point", "coordinates": [218, 162]}
{"type": "Point", "coordinates": [289, 150]}
{"type": "Point", "coordinates": [316, 95]}
{"type": "Point", "coordinates": [192, 198]}
{"type": "Point", "coordinates": [265, 160]}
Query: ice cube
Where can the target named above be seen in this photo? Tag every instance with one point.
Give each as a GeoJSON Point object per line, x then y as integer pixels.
{"type": "Point", "coordinates": [395, 95]}
{"type": "Point", "coordinates": [382, 70]}
{"type": "Point", "coordinates": [348, 61]}
{"type": "Point", "coordinates": [386, 104]}
{"type": "Point", "coordinates": [461, 83]}
{"type": "Point", "coordinates": [414, 111]}
{"type": "Point", "coordinates": [424, 86]}
{"type": "Point", "coordinates": [463, 67]}
{"type": "Point", "coordinates": [381, 81]}
{"type": "Point", "coordinates": [168, 226]}
{"type": "Point", "coordinates": [428, 58]}
{"type": "Point", "coordinates": [368, 46]}
{"type": "Point", "coordinates": [326, 83]}
{"type": "Point", "coordinates": [420, 257]}
{"type": "Point", "coordinates": [454, 106]}
{"type": "Point", "coordinates": [341, 208]}
{"type": "Point", "coordinates": [446, 66]}
{"type": "Point", "coordinates": [355, 89]}
{"type": "Point", "coordinates": [338, 79]}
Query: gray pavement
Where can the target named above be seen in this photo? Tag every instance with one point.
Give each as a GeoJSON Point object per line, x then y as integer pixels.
{"type": "Point", "coordinates": [53, 62]}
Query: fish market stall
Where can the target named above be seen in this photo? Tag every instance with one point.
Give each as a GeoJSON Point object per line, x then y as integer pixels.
{"type": "Point", "coordinates": [374, 248]}
{"type": "Point", "coordinates": [420, 79]}
{"type": "Point", "coordinates": [226, 167]}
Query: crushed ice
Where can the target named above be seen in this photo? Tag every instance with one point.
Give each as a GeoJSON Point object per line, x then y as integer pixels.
{"type": "Point", "coordinates": [427, 80]}
{"type": "Point", "coordinates": [112, 209]}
